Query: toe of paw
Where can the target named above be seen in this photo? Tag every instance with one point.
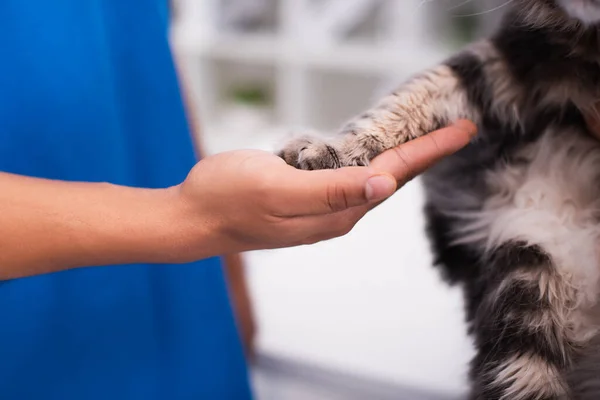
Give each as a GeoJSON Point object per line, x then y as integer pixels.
{"type": "Point", "coordinates": [319, 156]}
{"type": "Point", "coordinates": [289, 156]}
{"type": "Point", "coordinates": [290, 153]}
{"type": "Point", "coordinates": [309, 154]}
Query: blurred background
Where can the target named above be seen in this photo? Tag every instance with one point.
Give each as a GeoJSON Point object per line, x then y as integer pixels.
{"type": "Point", "coordinates": [365, 316]}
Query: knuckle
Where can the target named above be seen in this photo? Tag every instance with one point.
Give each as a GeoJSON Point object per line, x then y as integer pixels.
{"type": "Point", "coordinates": [405, 166]}
{"type": "Point", "coordinates": [313, 240]}
{"type": "Point", "coordinates": [345, 225]}
{"type": "Point", "coordinates": [433, 139]}
{"type": "Point", "coordinates": [345, 230]}
{"type": "Point", "coordinates": [274, 219]}
{"type": "Point", "coordinates": [337, 197]}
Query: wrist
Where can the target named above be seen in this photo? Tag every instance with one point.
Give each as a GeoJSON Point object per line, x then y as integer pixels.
{"type": "Point", "coordinates": [153, 226]}
{"type": "Point", "coordinates": [59, 225]}
{"type": "Point", "coordinates": [172, 231]}
{"type": "Point", "coordinates": [179, 230]}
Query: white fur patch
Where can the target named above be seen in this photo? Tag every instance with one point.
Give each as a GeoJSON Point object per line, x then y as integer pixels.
{"type": "Point", "coordinates": [526, 374]}
{"type": "Point", "coordinates": [550, 199]}
{"type": "Point", "coordinates": [587, 11]}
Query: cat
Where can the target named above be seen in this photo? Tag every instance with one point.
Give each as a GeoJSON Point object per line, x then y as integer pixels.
{"type": "Point", "coordinates": [513, 218]}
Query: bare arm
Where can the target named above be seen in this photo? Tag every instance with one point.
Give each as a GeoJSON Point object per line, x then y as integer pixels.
{"type": "Point", "coordinates": [48, 226]}
{"type": "Point", "coordinates": [231, 202]}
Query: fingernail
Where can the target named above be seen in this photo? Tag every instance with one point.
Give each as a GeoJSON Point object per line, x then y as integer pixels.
{"type": "Point", "coordinates": [467, 126]}
{"type": "Point", "coordinates": [380, 187]}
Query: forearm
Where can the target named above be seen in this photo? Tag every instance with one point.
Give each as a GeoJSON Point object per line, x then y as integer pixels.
{"type": "Point", "coordinates": [48, 226]}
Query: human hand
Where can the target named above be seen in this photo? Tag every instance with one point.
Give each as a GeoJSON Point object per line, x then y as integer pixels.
{"type": "Point", "coordinates": [247, 200]}
{"type": "Point", "coordinates": [414, 157]}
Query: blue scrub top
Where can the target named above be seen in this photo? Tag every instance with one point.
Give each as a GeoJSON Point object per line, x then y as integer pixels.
{"type": "Point", "coordinates": [88, 91]}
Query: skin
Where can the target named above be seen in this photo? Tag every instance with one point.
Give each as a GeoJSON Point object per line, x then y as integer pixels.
{"type": "Point", "coordinates": [233, 264]}
{"type": "Point", "coordinates": [229, 203]}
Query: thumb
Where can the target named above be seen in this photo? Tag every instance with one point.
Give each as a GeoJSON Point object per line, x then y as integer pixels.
{"type": "Point", "coordinates": [330, 191]}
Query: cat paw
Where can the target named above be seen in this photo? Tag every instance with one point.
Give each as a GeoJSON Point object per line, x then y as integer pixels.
{"type": "Point", "coordinates": [311, 153]}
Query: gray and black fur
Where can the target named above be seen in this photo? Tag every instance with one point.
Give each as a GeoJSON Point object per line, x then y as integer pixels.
{"type": "Point", "coordinates": [514, 217]}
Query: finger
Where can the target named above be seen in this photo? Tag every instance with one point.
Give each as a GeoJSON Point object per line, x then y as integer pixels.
{"type": "Point", "coordinates": [412, 158]}
{"type": "Point", "coordinates": [303, 193]}
{"type": "Point", "coordinates": [316, 228]}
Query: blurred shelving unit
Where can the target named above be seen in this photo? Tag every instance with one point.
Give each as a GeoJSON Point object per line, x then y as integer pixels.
{"type": "Point", "coordinates": [258, 66]}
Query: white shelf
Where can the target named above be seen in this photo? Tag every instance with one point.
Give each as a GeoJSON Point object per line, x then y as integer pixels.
{"type": "Point", "coordinates": [271, 49]}
{"type": "Point", "coordinates": [295, 57]}
{"type": "Point", "coordinates": [243, 48]}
